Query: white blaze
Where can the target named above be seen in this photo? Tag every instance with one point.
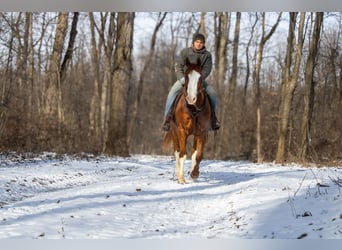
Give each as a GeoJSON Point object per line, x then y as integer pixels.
{"type": "Point", "coordinates": [192, 86]}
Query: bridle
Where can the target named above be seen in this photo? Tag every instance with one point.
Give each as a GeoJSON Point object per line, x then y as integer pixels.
{"type": "Point", "coordinates": [201, 92]}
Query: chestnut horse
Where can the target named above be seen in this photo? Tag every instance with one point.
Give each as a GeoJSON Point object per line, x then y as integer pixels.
{"type": "Point", "coordinates": [191, 117]}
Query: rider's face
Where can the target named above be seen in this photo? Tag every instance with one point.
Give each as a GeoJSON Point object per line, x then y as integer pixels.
{"type": "Point", "coordinates": [198, 44]}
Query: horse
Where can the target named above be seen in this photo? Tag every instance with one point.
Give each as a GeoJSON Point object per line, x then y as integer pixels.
{"type": "Point", "coordinates": [192, 114]}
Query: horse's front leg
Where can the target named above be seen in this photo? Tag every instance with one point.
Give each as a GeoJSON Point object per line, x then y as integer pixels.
{"type": "Point", "coordinates": [181, 156]}
{"type": "Point", "coordinates": [197, 155]}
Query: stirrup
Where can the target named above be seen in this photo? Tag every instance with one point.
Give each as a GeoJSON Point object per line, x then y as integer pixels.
{"type": "Point", "coordinates": [166, 126]}
{"type": "Point", "coordinates": [166, 123]}
{"type": "Point", "coordinates": [216, 125]}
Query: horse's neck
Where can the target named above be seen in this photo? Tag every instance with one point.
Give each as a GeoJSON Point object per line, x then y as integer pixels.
{"type": "Point", "coordinates": [201, 98]}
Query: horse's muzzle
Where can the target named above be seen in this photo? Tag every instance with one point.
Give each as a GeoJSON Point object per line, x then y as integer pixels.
{"type": "Point", "coordinates": [191, 100]}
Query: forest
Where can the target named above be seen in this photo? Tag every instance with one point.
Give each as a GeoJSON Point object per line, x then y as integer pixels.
{"type": "Point", "coordinates": [96, 82]}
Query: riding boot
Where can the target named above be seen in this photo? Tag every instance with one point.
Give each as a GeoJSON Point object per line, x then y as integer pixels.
{"type": "Point", "coordinates": [166, 123]}
{"type": "Point", "coordinates": [215, 124]}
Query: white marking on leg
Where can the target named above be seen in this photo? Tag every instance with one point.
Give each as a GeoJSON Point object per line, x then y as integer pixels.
{"type": "Point", "coordinates": [181, 179]}
{"type": "Point", "coordinates": [177, 163]}
{"type": "Point", "coordinates": [193, 161]}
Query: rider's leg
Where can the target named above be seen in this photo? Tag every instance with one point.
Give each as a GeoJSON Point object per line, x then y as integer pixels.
{"type": "Point", "coordinates": [214, 102]}
{"type": "Point", "coordinates": [177, 86]}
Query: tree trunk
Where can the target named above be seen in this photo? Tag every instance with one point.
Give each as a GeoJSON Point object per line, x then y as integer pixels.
{"type": "Point", "coordinates": [202, 24]}
{"type": "Point", "coordinates": [70, 49]}
{"type": "Point", "coordinates": [108, 74]}
{"type": "Point", "coordinates": [117, 131]}
{"type": "Point", "coordinates": [222, 29]}
{"type": "Point", "coordinates": [6, 84]}
{"type": "Point", "coordinates": [228, 128]}
{"type": "Point", "coordinates": [289, 81]}
{"type": "Point", "coordinates": [53, 97]}
{"type": "Point", "coordinates": [94, 113]}
{"type": "Point", "coordinates": [247, 60]}
{"type": "Point", "coordinates": [145, 71]}
{"type": "Point", "coordinates": [309, 90]}
{"type": "Point", "coordinates": [221, 44]}
{"type": "Point", "coordinates": [256, 80]}
{"type": "Point", "coordinates": [233, 76]}
{"type": "Point", "coordinates": [30, 80]}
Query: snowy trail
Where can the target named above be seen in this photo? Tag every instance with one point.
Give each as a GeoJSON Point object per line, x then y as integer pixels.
{"type": "Point", "coordinates": [138, 197]}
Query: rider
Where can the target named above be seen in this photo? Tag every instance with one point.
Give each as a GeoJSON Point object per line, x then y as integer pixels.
{"type": "Point", "coordinates": [197, 50]}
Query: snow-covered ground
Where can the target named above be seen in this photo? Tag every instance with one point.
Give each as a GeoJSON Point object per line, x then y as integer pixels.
{"type": "Point", "coordinates": [51, 197]}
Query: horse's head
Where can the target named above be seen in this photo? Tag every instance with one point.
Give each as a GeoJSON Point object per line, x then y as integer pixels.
{"type": "Point", "coordinates": [193, 81]}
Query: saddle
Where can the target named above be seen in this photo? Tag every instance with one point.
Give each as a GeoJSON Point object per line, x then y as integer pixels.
{"type": "Point", "coordinates": [215, 124]}
{"type": "Point", "coordinates": [194, 112]}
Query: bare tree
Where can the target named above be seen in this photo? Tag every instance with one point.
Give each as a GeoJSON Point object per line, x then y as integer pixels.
{"type": "Point", "coordinates": [53, 97]}
{"type": "Point", "coordinates": [117, 132]}
{"type": "Point", "coordinates": [95, 112]}
{"type": "Point", "coordinates": [229, 89]}
{"type": "Point", "coordinates": [70, 49]}
{"type": "Point", "coordinates": [222, 29]}
{"type": "Point", "coordinates": [309, 90]}
{"type": "Point", "coordinates": [7, 79]}
{"type": "Point", "coordinates": [146, 68]}
{"type": "Point", "coordinates": [289, 80]}
{"type": "Point", "coordinates": [248, 70]}
{"type": "Point", "coordinates": [256, 78]}
{"type": "Point", "coordinates": [102, 55]}
{"type": "Point", "coordinates": [234, 73]}
{"type": "Point", "coordinates": [108, 78]}
{"type": "Point", "coordinates": [222, 25]}
{"type": "Point", "coordinates": [202, 24]}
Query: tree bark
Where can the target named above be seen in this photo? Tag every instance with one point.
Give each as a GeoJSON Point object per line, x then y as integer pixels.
{"type": "Point", "coordinates": [289, 81]}
{"type": "Point", "coordinates": [233, 76]}
{"type": "Point", "coordinates": [53, 97]}
{"type": "Point", "coordinates": [70, 49]}
{"type": "Point", "coordinates": [94, 113]}
{"type": "Point", "coordinates": [247, 59]}
{"type": "Point", "coordinates": [108, 78]}
{"type": "Point", "coordinates": [221, 44]}
{"type": "Point", "coordinates": [256, 79]}
{"type": "Point", "coordinates": [222, 29]}
{"type": "Point", "coordinates": [309, 89]}
{"type": "Point", "coordinates": [145, 71]}
{"type": "Point", "coordinates": [117, 131]}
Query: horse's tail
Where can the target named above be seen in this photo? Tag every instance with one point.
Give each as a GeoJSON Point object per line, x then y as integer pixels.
{"type": "Point", "coordinates": [168, 138]}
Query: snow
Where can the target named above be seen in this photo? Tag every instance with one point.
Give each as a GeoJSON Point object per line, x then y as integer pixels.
{"type": "Point", "coordinates": [54, 197]}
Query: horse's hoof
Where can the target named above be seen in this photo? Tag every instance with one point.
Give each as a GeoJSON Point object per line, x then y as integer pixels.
{"type": "Point", "coordinates": [194, 176]}
{"type": "Point", "coordinates": [181, 181]}
{"type": "Point", "coordinates": [193, 179]}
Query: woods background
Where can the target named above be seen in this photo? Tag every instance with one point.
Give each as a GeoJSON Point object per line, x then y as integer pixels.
{"type": "Point", "coordinates": [97, 82]}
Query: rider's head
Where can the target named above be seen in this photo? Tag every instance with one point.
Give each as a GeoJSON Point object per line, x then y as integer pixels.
{"type": "Point", "coordinates": [198, 41]}
{"type": "Point", "coordinates": [198, 36]}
